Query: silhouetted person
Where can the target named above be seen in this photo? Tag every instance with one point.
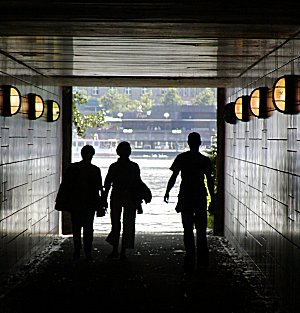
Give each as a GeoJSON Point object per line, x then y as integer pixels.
{"type": "Point", "coordinates": [192, 203]}
{"type": "Point", "coordinates": [124, 178]}
{"type": "Point", "coordinates": [79, 194]}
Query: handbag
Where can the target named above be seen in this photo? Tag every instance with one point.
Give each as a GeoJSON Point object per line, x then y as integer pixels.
{"type": "Point", "coordinates": [62, 200]}
{"type": "Point", "coordinates": [144, 193]}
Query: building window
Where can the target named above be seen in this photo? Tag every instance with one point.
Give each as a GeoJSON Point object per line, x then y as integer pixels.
{"type": "Point", "coordinates": [128, 91]}
{"type": "Point", "coordinates": [95, 91]}
{"type": "Point", "coordinates": [144, 90]}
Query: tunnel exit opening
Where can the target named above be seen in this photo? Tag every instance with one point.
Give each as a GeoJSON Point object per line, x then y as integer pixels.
{"type": "Point", "coordinates": [156, 123]}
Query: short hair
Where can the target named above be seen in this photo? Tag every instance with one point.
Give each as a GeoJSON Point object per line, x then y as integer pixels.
{"type": "Point", "coordinates": [194, 138]}
{"type": "Point", "coordinates": [87, 152]}
{"type": "Point", "coordinates": [123, 149]}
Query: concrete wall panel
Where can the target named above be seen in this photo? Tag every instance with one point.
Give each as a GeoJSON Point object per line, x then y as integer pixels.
{"type": "Point", "coordinates": [262, 182]}
{"type": "Point", "coordinates": [30, 166]}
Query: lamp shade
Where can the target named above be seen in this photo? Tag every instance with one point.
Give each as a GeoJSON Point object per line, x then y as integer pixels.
{"type": "Point", "coordinates": [229, 114]}
{"type": "Point", "coordinates": [242, 108]}
{"type": "Point", "coordinates": [36, 106]}
{"type": "Point", "coordinates": [10, 100]}
{"type": "Point", "coordinates": [53, 111]}
{"type": "Point", "coordinates": [261, 104]}
{"type": "Point", "coordinates": [286, 94]}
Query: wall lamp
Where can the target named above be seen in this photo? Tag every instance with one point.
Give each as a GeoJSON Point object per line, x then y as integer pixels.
{"type": "Point", "coordinates": [53, 110]}
{"type": "Point", "coordinates": [10, 100]}
{"type": "Point", "coordinates": [229, 113]}
{"type": "Point", "coordinates": [242, 108]}
{"type": "Point", "coordinates": [261, 104]}
{"type": "Point", "coordinates": [35, 106]}
{"type": "Point", "coordinates": [286, 94]}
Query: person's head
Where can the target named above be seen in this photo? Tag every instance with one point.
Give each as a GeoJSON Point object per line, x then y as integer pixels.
{"type": "Point", "coordinates": [87, 152]}
{"type": "Point", "coordinates": [194, 141]}
{"type": "Point", "coordinates": [124, 149]}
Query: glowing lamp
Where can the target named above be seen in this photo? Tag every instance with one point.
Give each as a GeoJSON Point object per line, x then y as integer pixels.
{"type": "Point", "coordinates": [286, 94]}
{"type": "Point", "coordinates": [53, 111]}
{"type": "Point", "coordinates": [242, 108]}
{"type": "Point", "coordinates": [261, 104]}
{"type": "Point", "coordinates": [35, 106]}
{"type": "Point", "coordinates": [10, 100]}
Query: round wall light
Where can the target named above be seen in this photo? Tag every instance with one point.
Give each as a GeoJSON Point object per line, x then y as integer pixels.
{"type": "Point", "coordinates": [261, 104]}
{"type": "Point", "coordinates": [36, 106]}
{"type": "Point", "coordinates": [10, 100]}
{"type": "Point", "coordinates": [53, 110]}
{"type": "Point", "coordinates": [286, 94]}
{"type": "Point", "coordinates": [229, 113]}
{"type": "Point", "coordinates": [242, 108]}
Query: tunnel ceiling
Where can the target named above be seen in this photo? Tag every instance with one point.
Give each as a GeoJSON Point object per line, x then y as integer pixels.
{"type": "Point", "coordinates": [194, 43]}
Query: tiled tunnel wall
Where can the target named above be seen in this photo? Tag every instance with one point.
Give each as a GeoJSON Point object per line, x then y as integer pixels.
{"type": "Point", "coordinates": [30, 161]}
{"type": "Point", "coordinates": [262, 180]}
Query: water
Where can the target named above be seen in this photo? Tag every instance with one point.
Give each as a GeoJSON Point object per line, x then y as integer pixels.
{"type": "Point", "coordinates": [158, 216]}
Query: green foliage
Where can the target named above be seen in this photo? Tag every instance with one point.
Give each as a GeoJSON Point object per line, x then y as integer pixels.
{"type": "Point", "coordinates": [205, 97]}
{"type": "Point", "coordinates": [82, 122]}
{"type": "Point", "coordinates": [212, 154]}
{"type": "Point", "coordinates": [171, 97]}
{"type": "Point", "coordinates": [146, 101]}
{"type": "Point", "coordinates": [116, 102]}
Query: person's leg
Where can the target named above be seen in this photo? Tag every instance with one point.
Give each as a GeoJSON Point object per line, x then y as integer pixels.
{"type": "Point", "coordinates": [88, 232]}
{"type": "Point", "coordinates": [128, 236]}
{"type": "Point", "coordinates": [202, 248]}
{"type": "Point", "coordinates": [189, 241]}
{"type": "Point", "coordinates": [76, 230]}
{"type": "Point", "coordinates": [115, 218]}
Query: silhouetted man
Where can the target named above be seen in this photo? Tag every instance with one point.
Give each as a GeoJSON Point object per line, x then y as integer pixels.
{"type": "Point", "coordinates": [79, 194]}
{"type": "Point", "coordinates": [192, 202]}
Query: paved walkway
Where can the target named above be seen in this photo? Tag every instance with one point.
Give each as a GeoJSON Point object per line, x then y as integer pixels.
{"type": "Point", "coordinates": [150, 280]}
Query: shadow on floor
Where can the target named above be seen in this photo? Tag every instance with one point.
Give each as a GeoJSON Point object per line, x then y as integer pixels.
{"type": "Point", "coordinates": [150, 280]}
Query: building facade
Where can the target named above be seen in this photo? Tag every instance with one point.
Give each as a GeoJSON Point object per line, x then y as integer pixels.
{"type": "Point", "coordinates": [163, 129]}
{"type": "Point", "coordinates": [135, 93]}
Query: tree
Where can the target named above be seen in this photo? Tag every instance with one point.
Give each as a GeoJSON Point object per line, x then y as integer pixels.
{"type": "Point", "coordinates": [205, 97]}
{"type": "Point", "coordinates": [146, 101]}
{"type": "Point", "coordinates": [171, 97]}
{"type": "Point", "coordinates": [116, 102]}
{"type": "Point", "coordinates": [82, 122]}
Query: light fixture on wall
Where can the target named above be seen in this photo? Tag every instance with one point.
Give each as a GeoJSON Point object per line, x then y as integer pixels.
{"type": "Point", "coordinates": [229, 113]}
{"type": "Point", "coordinates": [35, 106]}
{"type": "Point", "coordinates": [261, 104]}
{"type": "Point", "coordinates": [10, 100]}
{"type": "Point", "coordinates": [286, 94]}
{"type": "Point", "coordinates": [53, 110]}
{"type": "Point", "coordinates": [242, 108]}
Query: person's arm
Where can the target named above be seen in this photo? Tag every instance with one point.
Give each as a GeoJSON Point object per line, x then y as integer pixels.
{"type": "Point", "coordinates": [107, 183]}
{"type": "Point", "coordinates": [170, 185]}
{"type": "Point", "coordinates": [100, 182]}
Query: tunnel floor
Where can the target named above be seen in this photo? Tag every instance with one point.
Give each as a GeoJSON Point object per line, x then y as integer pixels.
{"type": "Point", "coordinates": [151, 279]}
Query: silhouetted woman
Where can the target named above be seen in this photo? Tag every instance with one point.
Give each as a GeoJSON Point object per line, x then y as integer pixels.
{"type": "Point", "coordinates": [124, 178]}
